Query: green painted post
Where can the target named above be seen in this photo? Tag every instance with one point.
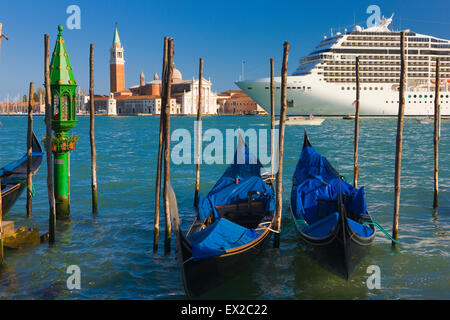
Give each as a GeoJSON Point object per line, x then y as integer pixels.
{"type": "Point", "coordinates": [64, 118]}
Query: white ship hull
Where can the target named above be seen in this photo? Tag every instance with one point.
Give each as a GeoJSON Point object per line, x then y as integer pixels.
{"type": "Point", "coordinates": [329, 99]}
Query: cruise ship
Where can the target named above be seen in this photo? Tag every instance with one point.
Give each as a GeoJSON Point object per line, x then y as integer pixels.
{"type": "Point", "coordinates": [324, 83]}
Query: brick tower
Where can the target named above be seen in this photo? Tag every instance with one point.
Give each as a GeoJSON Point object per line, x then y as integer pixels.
{"type": "Point", "coordinates": [117, 65]}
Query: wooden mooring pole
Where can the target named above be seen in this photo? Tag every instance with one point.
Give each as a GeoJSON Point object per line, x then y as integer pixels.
{"type": "Point", "coordinates": [160, 149]}
{"type": "Point", "coordinates": [198, 130]}
{"type": "Point", "coordinates": [355, 155]}
{"type": "Point", "coordinates": [92, 132]}
{"type": "Point", "coordinates": [29, 152]}
{"type": "Point", "coordinates": [48, 144]}
{"type": "Point", "coordinates": [279, 184]}
{"type": "Point", "coordinates": [167, 106]}
{"type": "Point", "coordinates": [399, 140]}
{"type": "Point", "coordinates": [437, 123]}
{"type": "Point", "coordinates": [272, 121]}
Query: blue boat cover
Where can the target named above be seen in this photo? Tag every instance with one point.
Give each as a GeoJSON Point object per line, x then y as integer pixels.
{"type": "Point", "coordinates": [218, 237]}
{"type": "Point", "coordinates": [323, 227]}
{"type": "Point", "coordinates": [316, 187]}
{"type": "Point", "coordinates": [240, 178]}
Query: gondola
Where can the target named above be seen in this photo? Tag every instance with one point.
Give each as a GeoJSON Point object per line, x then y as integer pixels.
{"type": "Point", "coordinates": [13, 176]}
{"type": "Point", "coordinates": [232, 224]}
{"type": "Point", "coordinates": [330, 214]}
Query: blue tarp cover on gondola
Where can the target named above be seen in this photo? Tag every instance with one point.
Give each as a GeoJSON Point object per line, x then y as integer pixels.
{"type": "Point", "coordinates": [315, 190]}
{"type": "Point", "coordinates": [226, 191]}
{"type": "Point", "coordinates": [218, 237]}
{"type": "Point", "coordinates": [241, 178]}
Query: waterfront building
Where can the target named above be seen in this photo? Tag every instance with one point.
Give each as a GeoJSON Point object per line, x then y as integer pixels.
{"type": "Point", "coordinates": [132, 105]}
{"type": "Point", "coordinates": [186, 94]}
{"type": "Point", "coordinates": [184, 91]}
{"type": "Point", "coordinates": [21, 108]}
{"type": "Point", "coordinates": [152, 88]}
{"type": "Point", "coordinates": [238, 102]}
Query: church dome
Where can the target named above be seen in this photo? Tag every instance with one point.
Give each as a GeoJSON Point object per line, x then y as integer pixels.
{"type": "Point", "coordinates": [176, 76]}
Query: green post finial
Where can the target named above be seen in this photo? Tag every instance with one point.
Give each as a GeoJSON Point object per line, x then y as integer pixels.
{"type": "Point", "coordinates": [60, 28]}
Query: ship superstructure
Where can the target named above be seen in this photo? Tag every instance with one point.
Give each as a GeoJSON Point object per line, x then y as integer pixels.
{"type": "Point", "coordinates": [324, 82]}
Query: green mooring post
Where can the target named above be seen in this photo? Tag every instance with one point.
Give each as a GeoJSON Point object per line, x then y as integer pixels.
{"type": "Point", "coordinates": [64, 118]}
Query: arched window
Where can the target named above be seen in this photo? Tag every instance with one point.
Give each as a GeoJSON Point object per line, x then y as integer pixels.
{"type": "Point", "coordinates": [55, 107]}
{"type": "Point", "coordinates": [65, 107]}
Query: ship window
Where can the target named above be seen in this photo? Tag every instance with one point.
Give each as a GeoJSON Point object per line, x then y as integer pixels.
{"type": "Point", "coordinates": [249, 88]}
{"type": "Point", "coordinates": [342, 88]}
{"type": "Point", "coordinates": [442, 96]}
{"type": "Point", "coordinates": [267, 87]}
{"type": "Point", "coordinates": [409, 96]}
{"type": "Point", "coordinates": [348, 88]}
{"type": "Point", "coordinates": [415, 96]}
{"type": "Point", "coordinates": [420, 96]}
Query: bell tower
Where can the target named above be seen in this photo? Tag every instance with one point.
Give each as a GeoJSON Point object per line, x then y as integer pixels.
{"type": "Point", "coordinates": [117, 65]}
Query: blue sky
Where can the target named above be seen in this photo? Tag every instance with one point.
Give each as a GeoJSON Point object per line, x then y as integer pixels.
{"type": "Point", "coordinates": [224, 33]}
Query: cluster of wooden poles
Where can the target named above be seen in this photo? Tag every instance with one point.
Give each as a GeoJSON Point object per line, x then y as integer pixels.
{"type": "Point", "coordinates": [164, 139]}
{"type": "Point", "coordinates": [399, 139]}
{"type": "Point", "coordinates": [164, 142]}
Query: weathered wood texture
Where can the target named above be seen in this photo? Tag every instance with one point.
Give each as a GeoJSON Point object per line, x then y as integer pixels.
{"type": "Point", "coordinates": [92, 132]}
{"type": "Point", "coordinates": [399, 139]}
{"type": "Point", "coordinates": [48, 143]}
{"type": "Point", "coordinates": [29, 152]}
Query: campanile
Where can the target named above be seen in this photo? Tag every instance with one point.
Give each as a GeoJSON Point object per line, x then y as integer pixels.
{"type": "Point", "coordinates": [117, 65]}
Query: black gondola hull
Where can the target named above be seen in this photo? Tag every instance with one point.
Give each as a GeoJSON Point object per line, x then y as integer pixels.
{"type": "Point", "coordinates": [13, 182]}
{"type": "Point", "coordinates": [10, 197]}
{"type": "Point", "coordinates": [341, 252]}
{"type": "Point", "coordinates": [202, 276]}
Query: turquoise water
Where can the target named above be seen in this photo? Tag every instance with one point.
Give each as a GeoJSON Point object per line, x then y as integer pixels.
{"type": "Point", "coordinates": [114, 249]}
